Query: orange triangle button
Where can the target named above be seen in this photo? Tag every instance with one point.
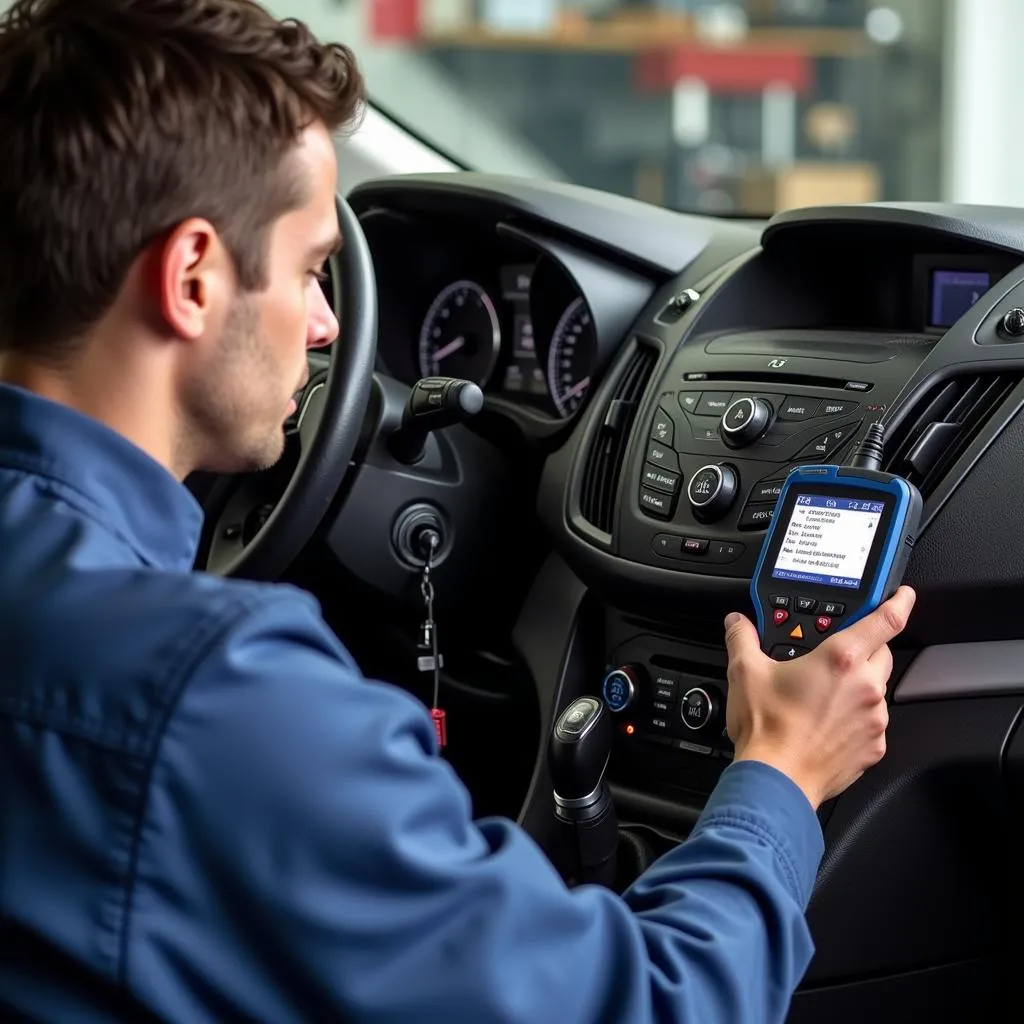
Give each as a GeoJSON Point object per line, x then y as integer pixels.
{"type": "Point", "coordinates": [798, 633]}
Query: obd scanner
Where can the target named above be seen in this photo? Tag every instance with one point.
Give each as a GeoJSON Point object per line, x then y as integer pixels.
{"type": "Point", "coordinates": [837, 548]}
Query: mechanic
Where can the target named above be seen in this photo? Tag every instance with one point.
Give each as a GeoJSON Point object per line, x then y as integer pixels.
{"type": "Point", "coordinates": [208, 814]}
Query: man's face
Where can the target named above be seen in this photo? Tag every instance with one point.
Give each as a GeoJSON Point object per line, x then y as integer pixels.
{"type": "Point", "coordinates": [244, 392]}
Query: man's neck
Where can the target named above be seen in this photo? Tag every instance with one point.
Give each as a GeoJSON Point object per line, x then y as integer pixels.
{"type": "Point", "coordinates": [114, 398]}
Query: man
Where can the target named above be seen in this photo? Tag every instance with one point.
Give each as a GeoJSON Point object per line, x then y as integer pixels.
{"type": "Point", "coordinates": [206, 813]}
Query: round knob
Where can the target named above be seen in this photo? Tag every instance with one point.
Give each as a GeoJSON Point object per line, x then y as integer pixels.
{"type": "Point", "coordinates": [745, 421]}
{"type": "Point", "coordinates": [620, 686]}
{"type": "Point", "coordinates": [697, 709]}
{"type": "Point", "coordinates": [1013, 323]}
{"type": "Point", "coordinates": [712, 491]}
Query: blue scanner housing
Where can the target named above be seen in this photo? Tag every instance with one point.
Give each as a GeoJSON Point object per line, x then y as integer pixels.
{"type": "Point", "coordinates": [796, 610]}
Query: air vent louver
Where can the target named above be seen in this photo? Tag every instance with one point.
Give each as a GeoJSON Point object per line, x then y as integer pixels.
{"type": "Point", "coordinates": [943, 424]}
{"type": "Point", "coordinates": [608, 449]}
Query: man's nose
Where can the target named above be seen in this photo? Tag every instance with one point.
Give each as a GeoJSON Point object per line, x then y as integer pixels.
{"type": "Point", "coordinates": [323, 325]}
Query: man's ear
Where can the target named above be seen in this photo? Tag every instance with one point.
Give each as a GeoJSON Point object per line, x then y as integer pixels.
{"type": "Point", "coordinates": [188, 268]}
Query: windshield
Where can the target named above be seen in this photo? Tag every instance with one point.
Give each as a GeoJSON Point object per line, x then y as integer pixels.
{"type": "Point", "coordinates": [727, 108]}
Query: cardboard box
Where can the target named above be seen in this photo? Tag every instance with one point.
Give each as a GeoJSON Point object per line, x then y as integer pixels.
{"type": "Point", "coordinates": [813, 183]}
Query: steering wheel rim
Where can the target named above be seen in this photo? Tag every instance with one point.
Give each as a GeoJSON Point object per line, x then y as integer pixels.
{"type": "Point", "coordinates": [327, 450]}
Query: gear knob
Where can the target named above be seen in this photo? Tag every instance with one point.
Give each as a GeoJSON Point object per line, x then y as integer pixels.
{"type": "Point", "coordinates": [581, 742]}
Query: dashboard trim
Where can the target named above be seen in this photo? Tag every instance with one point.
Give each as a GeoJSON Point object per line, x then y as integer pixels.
{"type": "Point", "coordinates": [955, 671]}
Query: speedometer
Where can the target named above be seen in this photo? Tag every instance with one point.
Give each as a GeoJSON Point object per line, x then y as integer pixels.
{"type": "Point", "coordinates": [461, 335]}
{"type": "Point", "coordinates": [571, 358]}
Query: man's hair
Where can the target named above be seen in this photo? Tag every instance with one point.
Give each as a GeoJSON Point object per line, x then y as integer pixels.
{"type": "Point", "coordinates": [120, 119]}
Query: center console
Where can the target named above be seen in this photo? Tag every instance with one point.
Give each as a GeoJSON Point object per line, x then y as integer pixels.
{"type": "Point", "coordinates": [735, 412]}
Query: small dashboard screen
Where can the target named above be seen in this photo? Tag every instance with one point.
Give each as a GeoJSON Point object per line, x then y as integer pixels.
{"type": "Point", "coordinates": [953, 292]}
{"type": "Point", "coordinates": [828, 540]}
{"type": "Point", "coordinates": [523, 374]}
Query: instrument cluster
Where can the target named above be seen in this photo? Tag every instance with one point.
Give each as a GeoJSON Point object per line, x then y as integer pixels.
{"type": "Point", "coordinates": [521, 331]}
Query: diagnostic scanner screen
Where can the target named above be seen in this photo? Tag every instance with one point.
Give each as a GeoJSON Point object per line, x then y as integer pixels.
{"type": "Point", "coordinates": [828, 540]}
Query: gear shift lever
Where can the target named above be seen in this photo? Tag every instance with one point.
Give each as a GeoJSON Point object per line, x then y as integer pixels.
{"type": "Point", "coordinates": [577, 758]}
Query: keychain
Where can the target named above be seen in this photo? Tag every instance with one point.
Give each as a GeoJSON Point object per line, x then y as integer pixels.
{"type": "Point", "coordinates": [432, 662]}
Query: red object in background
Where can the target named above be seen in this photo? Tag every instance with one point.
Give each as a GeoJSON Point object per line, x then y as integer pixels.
{"type": "Point", "coordinates": [440, 726]}
{"type": "Point", "coordinates": [724, 70]}
{"type": "Point", "coordinates": [394, 20]}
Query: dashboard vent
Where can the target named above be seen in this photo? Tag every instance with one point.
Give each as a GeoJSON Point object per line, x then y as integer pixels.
{"type": "Point", "coordinates": [943, 424]}
{"type": "Point", "coordinates": [607, 451]}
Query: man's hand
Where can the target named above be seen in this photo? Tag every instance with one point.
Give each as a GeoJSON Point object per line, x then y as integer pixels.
{"type": "Point", "coordinates": [821, 719]}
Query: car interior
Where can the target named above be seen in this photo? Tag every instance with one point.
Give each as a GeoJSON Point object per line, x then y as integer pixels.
{"type": "Point", "coordinates": [529, 390]}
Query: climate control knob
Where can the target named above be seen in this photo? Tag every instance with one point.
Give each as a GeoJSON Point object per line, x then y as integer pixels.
{"type": "Point", "coordinates": [620, 687]}
{"type": "Point", "coordinates": [712, 490]}
{"type": "Point", "coordinates": [698, 708]}
{"type": "Point", "coordinates": [745, 421]}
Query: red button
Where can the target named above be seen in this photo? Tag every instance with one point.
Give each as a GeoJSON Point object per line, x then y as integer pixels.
{"type": "Point", "coordinates": [781, 615]}
{"type": "Point", "coordinates": [823, 624]}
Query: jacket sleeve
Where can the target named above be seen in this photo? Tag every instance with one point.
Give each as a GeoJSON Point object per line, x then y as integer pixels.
{"type": "Point", "coordinates": [307, 855]}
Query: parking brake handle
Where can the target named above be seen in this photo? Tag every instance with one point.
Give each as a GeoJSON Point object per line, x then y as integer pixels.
{"type": "Point", "coordinates": [434, 403]}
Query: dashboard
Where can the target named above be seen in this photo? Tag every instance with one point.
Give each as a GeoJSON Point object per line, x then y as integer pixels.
{"type": "Point", "coordinates": [528, 319]}
{"type": "Point", "coordinates": [656, 376]}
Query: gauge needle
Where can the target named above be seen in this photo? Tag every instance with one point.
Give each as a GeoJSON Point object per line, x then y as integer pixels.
{"type": "Point", "coordinates": [577, 389]}
{"type": "Point", "coordinates": [452, 346]}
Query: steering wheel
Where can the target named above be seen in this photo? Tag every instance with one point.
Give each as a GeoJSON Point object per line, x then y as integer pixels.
{"type": "Point", "coordinates": [330, 418]}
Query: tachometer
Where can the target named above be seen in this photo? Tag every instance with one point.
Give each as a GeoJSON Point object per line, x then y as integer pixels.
{"type": "Point", "coordinates": [571, 358]}
{"type": "Point", "coordinates": [461, 335]}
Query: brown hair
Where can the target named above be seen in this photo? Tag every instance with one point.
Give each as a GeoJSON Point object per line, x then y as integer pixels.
{"type": "Point", "coordinates": [119, 119]}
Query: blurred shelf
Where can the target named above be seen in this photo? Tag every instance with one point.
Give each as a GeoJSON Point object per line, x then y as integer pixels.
{"type": "Point", "coordinates": [644, 34]}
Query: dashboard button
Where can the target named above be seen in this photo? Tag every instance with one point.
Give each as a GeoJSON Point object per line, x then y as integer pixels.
{"type": "Point", "coordinates": [827, 444]}
{"type": "Point", "coordinates": [797, 407]}
{"type": "Point", "coordinates": [694, 546]}
{"type": "Point", "coordinates": [857, 385]}
{"type": "Point", "coordinates": [659, 455]}
{"type": "Point", "coordinates": [666, 545]}
{"type": "Point", "coordinates": [756, 517]}
{"type": "Point", "coordinates": [689, 400]}
{"type": "Point", "coordinates": [833, 608]}
{"type": "Point", "coordinates": [767, 490]}
{"type": "Point", "coordinates": [663, 429]}
{"type": "Point", "coordinates": [714, 403]}
{"type": "Point", "coordinates": [661, 480]}
{"type": "Point", "coordinates": [830, 408]}
{"type": "Point", "coordinates": [724, 551]}
{"type": "Point", "coordinates": [706, 430]}
{"type": "Point", "coordinates": [656, 504]}
{"type": "Point", "coordinates": [666, 686]}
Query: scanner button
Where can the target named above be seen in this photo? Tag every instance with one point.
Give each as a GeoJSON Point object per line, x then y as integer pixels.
{"type": "Point", "coordinates": [780, 617]}
{"type": "Point", "coordinates": [833, 608]}
{"type": "Point", "coordinates": [779, 601]}
{"type": "Point", "coordinates": [797, 633]}
{"type": "Point", "coordinates": [786, 652]}
{"type": "Point", "coordinates": [807, 605]}
{"type": "Point", "coordinates": [823, 623]}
